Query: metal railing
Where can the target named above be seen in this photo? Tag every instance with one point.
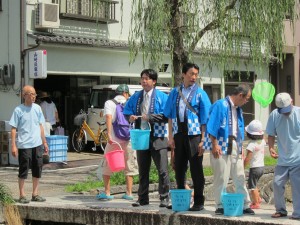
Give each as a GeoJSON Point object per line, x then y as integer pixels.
{"type": "Point", "coordinates": [101, 11]}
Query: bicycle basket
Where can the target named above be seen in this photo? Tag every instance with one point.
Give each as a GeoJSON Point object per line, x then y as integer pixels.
{"type": "Point", "coordinates": [78, 120]}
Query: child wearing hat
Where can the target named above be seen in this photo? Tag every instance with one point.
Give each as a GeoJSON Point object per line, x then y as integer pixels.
{"type": "Point", "coordinates": [255, 157]}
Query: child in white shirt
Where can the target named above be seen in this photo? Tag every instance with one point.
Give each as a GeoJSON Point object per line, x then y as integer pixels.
{"type": "Point", "coordinates": [255, 157]}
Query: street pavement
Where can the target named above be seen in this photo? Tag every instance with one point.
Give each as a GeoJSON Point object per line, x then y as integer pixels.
{"type": "Point", "coordinates": [78, 168]}
{"type": "Point", "coordinates": [81, 166]}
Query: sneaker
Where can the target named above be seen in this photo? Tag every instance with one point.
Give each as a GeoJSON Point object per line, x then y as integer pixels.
{"type": "Point", "coordinates": [164, 202]}
{"type": "Point", "coordinates": [248, 211]}
{"type": "Point", "coordinates": [103, 196]}
{"type": "Point", "coordinates": [219, 211]}
{"type": "Point", "coordinates": [38, 198]}
{"type": "Point", "coordinates": [196, 208]}
{"type": "Point", "coordinates": [23, 200]}
{"type": "Point", "coordinates": [127, 197]}
{"type": "Point", "coordinates": [140, 203]}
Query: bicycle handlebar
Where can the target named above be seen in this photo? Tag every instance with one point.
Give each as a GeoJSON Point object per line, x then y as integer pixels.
{"type": "Point", "coordinates": [87, 113]}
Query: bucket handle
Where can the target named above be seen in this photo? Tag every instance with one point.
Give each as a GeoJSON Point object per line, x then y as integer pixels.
{"type": "Point", "coordinates": [116, 143]}
{"type": "Point", "coordinates": [132, 125]}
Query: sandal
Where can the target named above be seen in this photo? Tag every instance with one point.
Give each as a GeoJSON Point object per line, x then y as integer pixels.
{"type": "Point", "coordinates": [103, 196]}
{"type": "Point", "coordinates": [127, 197]}
{"type": "Point", "coordinates": [23, 200]}
{"type": "Point", "coordinates": [294, 218]}
{"type": "Point", "coordinates": [278, 215]}
{"type": "Point", "coordinates": [255, 206]}
{"type": "Point", "coordinates": [38, 198]}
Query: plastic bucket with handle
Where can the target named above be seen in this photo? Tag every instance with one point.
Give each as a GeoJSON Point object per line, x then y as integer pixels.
{"type": "Point", "coordinates": [233, 204]}
{"type": "Point", "coordinates": [140, 139]}
{"type": "Point", "coordinates": [181, 199]}
{"type": "Point", "coordinates": [115, 159]}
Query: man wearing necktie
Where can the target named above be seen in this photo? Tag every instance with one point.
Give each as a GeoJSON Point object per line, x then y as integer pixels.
{"type": "Point", "coordinates": [145, 109]}
{"type": "Point", "coordinates": [224, 137]}
{"type": "Point", "coordinates": [187, 109]}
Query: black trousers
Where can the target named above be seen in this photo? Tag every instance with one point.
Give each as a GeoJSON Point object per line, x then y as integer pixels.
{"type": "Point", "coordinates": [159, 153]}
{"type": "Point", "coordinates": [186, 150]}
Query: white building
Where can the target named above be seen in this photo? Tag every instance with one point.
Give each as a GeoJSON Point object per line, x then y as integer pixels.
{"type": "Point", "coordinates": [85, 48]}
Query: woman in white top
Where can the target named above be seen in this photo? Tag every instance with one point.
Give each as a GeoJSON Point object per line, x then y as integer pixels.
{"type": "Point", "coordinates": [255, 157]}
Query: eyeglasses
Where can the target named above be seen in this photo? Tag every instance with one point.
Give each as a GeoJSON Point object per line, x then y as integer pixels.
{"type": "Point", "coordinates": [191, 74]}
{"type": "Point", "coordinates": [31, 94]}
{"type": "Point", "coordinates": [145, 78]}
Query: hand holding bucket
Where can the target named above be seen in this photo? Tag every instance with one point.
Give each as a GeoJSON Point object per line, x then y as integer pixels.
{"type": "Point", "coordinates": [115, 159]}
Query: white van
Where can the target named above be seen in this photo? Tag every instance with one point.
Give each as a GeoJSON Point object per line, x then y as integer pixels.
{"type": "Point", "coordinates": [100, 94]}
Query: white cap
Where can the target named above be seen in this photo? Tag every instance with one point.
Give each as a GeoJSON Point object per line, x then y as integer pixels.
{"type": "Point", "coordinates": [254, 128]}
{"type": "Point", "coordinates": [283, 102]}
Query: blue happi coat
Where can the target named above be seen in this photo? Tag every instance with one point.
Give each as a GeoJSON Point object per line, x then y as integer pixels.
{"type": "Point", "coordinates": [157, 104]}
{"type": "Point", "coordinates": [218, 125]}
{"type": "Point", "coordinates": [199, 101]}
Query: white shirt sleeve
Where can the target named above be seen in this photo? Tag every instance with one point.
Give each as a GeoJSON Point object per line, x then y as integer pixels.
{"type": "Point", "coordinates": [251, 147]}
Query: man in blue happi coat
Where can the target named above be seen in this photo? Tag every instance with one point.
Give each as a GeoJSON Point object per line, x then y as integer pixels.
{"type": "Point", "coordinates": [145, 108]}
{"type": "Point", "coordinates": [224, 137]}
{"type": "Point", "coordinates": [187, 109]}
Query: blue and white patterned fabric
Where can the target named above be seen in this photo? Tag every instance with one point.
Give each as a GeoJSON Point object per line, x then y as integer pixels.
{"type": "Point", "coordinates": [217, 126]}
{"type": "Point", "coordinates": [200, 103]}
{"type": "Point", "coordinates": [157, 105]}
{"type": "Point", "coordinates": [160, 129]}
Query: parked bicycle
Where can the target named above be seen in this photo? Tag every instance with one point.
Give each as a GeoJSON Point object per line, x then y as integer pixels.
{"type": "Point", "coordinates": [79, 137]}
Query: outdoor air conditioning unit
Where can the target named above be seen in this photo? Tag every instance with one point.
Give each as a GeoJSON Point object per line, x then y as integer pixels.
{"type": "Point", "coordinates": [47, 16]}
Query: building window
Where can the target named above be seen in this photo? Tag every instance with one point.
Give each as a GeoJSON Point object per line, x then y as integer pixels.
{"type": "Point", "coordinates": [0, 5]}
{"type": "Point", "coordinates": [239, 76]}
{"type": "Point", "coordinates": [213, 91]}
{"type": "Point", "coordinates": [100, 11]}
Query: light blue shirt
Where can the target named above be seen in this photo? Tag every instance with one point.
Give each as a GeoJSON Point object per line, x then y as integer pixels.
{"type": "Point", "coordinates": [287, 129]}
{"type": "Point", "coordinates": [27, 120]}
{"type": "Point", "coordinates": [185, 92]}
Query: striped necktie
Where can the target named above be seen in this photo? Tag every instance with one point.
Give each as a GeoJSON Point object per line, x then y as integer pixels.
{"type": "Point", "coordinates": [145, 104]}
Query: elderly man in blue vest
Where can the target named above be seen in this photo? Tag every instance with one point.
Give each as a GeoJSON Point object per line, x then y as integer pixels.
{"type": "Point", "coordinates": [224, 137]}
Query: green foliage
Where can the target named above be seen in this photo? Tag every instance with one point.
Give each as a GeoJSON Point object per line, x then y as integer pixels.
{"type": "Point", "coordinates": [270, 161]}
{"type": "Point", "coordinates": [5, 195]}
{"type": "Point", "coordinates": [118, 178]}
{"type": "Point", "coordinates": [222, 31]}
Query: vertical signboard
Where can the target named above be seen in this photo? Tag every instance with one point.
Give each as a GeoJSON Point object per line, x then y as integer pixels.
{"type": "Point", "coordinates": [38, 64]}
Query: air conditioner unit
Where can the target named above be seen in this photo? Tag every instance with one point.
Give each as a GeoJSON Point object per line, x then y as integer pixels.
{"type": "Point", "coordinates": [47, 16]}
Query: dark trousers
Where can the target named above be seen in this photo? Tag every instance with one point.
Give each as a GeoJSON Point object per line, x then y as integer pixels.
{"type": "Point", "coordinates": [186, 150]}
{"type": "Point", "coordinates": [160, 159]}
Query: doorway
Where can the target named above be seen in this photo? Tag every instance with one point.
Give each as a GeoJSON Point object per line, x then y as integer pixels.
{"type": "Point", "coordinates": [69, 93]}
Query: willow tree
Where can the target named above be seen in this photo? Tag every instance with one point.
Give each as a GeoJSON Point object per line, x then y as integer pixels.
{"type": "Point", "coordinates": [217, 30]}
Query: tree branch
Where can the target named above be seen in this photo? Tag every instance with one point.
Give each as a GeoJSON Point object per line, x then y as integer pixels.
{"type": "Point", "coordinates": [214, 24]}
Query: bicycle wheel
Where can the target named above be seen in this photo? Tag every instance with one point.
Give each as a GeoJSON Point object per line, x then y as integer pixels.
{"type": "Point", "coordinates": [78, 140]}
{"type": "Point", "coordinates": [103, 139]}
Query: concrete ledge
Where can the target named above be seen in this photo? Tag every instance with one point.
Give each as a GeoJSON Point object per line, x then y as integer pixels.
{"type": "Point", "coordinates": [88, 210]}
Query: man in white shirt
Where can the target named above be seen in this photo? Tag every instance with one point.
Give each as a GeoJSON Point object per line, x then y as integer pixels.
{"type": "Point", "coordinates": [131, 168]}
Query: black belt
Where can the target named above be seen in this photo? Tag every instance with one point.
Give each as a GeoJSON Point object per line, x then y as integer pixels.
{"type": "Point", "coordinates": [230, 139]}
